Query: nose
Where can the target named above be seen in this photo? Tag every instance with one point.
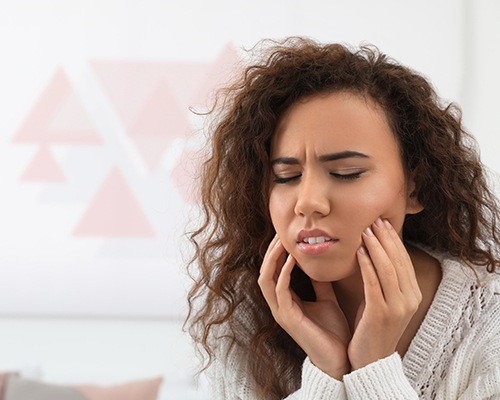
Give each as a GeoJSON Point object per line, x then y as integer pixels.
{"type": "Point", "coordinates": [312, 197]}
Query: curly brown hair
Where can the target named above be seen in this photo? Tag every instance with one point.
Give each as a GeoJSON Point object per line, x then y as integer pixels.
{"type": "Point", "coordinates": [459, 216]}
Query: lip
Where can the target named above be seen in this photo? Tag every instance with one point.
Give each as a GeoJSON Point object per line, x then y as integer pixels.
{"type": "Point", "coordinates": [317, 248]}
{"type": "Point", "coordinates": [304, 233]}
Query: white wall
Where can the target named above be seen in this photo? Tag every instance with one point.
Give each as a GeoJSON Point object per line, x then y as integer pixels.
{"type": "Point", "coordinates": [53, 286]}
{"type": "Point", "coordinates": [481, 84]}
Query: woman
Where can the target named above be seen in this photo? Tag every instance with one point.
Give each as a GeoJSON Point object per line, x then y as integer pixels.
{"type": "Point", "coordinates": [349, 245]}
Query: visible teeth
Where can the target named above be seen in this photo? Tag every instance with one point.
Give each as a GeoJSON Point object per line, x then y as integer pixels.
{"type": "Point", "coordinates": [318, 239]}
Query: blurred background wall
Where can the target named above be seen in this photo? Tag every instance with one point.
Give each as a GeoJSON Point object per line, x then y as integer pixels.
{"type": "Point", "coordinates": [98, 151]}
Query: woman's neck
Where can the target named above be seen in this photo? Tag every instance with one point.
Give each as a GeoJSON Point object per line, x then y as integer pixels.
{"type": "Point", "coordinates": [350, 293]}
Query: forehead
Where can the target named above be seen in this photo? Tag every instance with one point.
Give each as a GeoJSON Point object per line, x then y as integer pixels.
{"type": "Point", "coordinates": [334, 122]}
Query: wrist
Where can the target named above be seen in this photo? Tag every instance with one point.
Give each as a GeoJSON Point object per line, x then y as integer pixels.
{"type": "Point", "coordinates": [355, 365]}
{"type": "Point", "coordinates": [336, 372]}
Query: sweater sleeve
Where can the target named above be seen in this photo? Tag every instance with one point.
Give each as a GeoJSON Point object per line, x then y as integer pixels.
{"type": "Point", "coordinates": [318, 385]}
{"type": "Point", "coordinates": [382, 379]}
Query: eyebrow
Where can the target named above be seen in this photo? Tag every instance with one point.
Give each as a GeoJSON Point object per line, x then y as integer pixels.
{"type": "Point", "coordinates": [324, 158]}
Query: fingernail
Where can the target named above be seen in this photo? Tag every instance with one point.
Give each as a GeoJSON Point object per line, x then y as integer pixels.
{"type": "Point", "coordinates": [387, 224]}
{"type": "Point", "coordinates": [379, 222]}
{"type": "Point", "coordinates": [369, 232]}
{"type": "Point", "coordinates": [278, 242]}
{"type": "Point", "coordinates": [362, 250]}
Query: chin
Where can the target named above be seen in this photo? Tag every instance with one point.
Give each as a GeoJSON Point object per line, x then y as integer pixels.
{"type": "Point", "coordinates": [331, 272]}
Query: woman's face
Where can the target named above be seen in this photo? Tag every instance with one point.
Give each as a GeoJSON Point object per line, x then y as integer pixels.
{"type": "Point", "coordinates": [336, 168]}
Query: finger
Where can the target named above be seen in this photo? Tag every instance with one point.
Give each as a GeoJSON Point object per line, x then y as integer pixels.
{"type": "Point", "coordinates": [267, 288]}
{"type": "Point", "coordinates": [273, 252]}
{"type": "Point", "coordinates": [411, 279]}
{"type": "Point", "coordinates": [371, 283]}
{"type": "Point", "coordinates": [397, 254]}
{"type": "Point", "coordinates": [266, 279]}
{"type": "Point", "coordinates": [280, 262]}
{"type": "Point", "coordinates": [271, 245]}
{"type": "Point", "coordinates": [383, 266]}
{"type": "Point", "coordinates": [283, 290]}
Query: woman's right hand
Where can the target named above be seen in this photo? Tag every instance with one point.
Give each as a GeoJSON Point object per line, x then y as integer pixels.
{"type": "Point", "coordinates": [319, 328]}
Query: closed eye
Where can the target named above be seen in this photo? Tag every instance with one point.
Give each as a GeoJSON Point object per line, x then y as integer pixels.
{"type": "Point", "coordinates": [347, 177]}
{"type": "Point", "coordinates": [286, 180]}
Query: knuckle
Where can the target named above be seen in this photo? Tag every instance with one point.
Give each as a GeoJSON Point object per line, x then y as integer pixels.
{"type": "Point", "coordinates": [372, 281]}
{"type": "Point", "coordinates": [413, 308]}
{"type": "Point", "coordinates": [405, 310]}
{"type": "Point", "coordinates": [414, 305]}
{"type": "Point", "coordinates": [277, 318]}
{"type": "Point", "coordinates": [388, 269]}
{"type": "Point", "coordinates": [409, 308]}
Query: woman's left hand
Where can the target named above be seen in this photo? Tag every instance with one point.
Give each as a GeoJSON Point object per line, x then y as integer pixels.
{"type": "Point", "coordinates": [392, 295]}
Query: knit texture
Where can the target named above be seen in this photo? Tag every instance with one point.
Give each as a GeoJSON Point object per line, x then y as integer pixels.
{"type": "Point", "coordinates": [455, 354]}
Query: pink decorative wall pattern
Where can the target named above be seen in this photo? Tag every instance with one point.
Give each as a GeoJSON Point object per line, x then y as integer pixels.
{"type": "Point", "coordinates": [56, 118]}
{"type": "Point", "coordinates": [43, 168]}
{"type": "Point", "coordinates": [114, 211]}
{"type": "Point", "coordinates": [118, 195]}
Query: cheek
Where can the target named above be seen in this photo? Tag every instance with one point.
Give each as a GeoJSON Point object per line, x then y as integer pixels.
{"type": "Point", "coordinates": [281, 212]}
{"type": "Point", "coordinates": [394, 208]}
{"type": "Point", "coordinates": [386, 201]}
{"type": "Point", "coordinates": [276, 210]}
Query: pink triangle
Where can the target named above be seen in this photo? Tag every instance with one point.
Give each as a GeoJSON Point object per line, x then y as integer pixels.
{"type": "Point", "coordinates": [43, 168]}
{"type": "Point", "coordinates": [70, 115]}
{"type": "Point", "coordinates": [130, 84]}
{"type": "Point", "coordinates": [185, 176]}
{"type": "Point", "coordinates": [158, 123]}
{"type": "Point", "coordinates": [58, 117]}
{"type": "Point", "coordinates": [160, 116]}
{"type": "Point", "coordinates": [114, 212]}
{"type": "Point", "coordinates": [151, 149]}
{"type": "Point", "coordinates": [185, 80]}
{"type": "Point", "coordinates": [222, 72]}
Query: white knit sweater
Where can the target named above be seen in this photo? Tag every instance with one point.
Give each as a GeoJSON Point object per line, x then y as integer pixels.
{"type": "Point", "coordinates": [454, 355]}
